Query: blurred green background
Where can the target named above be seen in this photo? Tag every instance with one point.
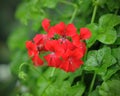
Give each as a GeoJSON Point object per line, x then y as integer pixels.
{"type": "Point", "coordinates": [7, 23]}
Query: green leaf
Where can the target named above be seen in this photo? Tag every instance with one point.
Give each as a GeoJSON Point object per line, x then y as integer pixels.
{"type": "Point", "coordinates": [110, 88]}
{"type": "Point", "coordinates": [108, 21]}
{"type": "Point", "coordinates": [99, 61]}
{"type": "Point", "coordinates": [77, 90]}
{"type": "Point", "coordinates": [57, 90]}
{"type": "Point", "coordinates": [42, 85]}
{"type": "Point", "coordinates": [95, 58]}
{"type": "Point", "coordinates": [91, 62]}
{"type": "Point", "coordinates": [64, 89]}
{"type": "Point", "coordinates": [116, 54]}
{"type": "Point", "coordinates": [95, 92]}
{"type": "Point", "coordinates": [107, 61]}
{"type": "Point", "coordinates": [107, 33]}
{"type": "Point", "coordinates": [94, 29]}
{"type": "Point", "coordinates": [107, 36]}
{"type": "Point", "coordinates": [117, 42]}
{"type": "Point", "coordinates": [61, 83]}
{"type": "Point", "coordinates": [111, 71]}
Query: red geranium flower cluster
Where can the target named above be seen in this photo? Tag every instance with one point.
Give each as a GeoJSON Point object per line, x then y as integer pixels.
{"type": "Point", "coordinates": [65, 46]}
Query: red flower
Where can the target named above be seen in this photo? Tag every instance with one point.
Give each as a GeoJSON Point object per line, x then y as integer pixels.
{"type": "Point", "coordinates": [40, 40]}
{"type": "Point", "coordinates": [85, 33]}
{"type": "Point", "coordinates": [71, 60]}
{"type": "Point", "coordinates": [32, 48]}
{"type": "Point", "coordinates": [65, 30]}
{"type": "Point", "coordinates": [60, 28]}
{"type": "Point", "coordinates": [71, 30]}
{"type": "Point", "coordinates": [33, 53]}
{"type": "Point", "coordinates": [81, 46]}
{"type": "Point", "coordinates": [66, 44]}
{"type": "Point", "coordinates": [65, 47]}
{"type": "Point", "coordinates": [51, 32]}
{"type": "Point", "coordinates": [49, 29]}
{"type": "Point", "coordinates": [46, 24]}
{"type": "Point", "coordinates": [56, 50]}
{"type": "Point", "coordinates": [37, 61]}
{"type": "Point", "coordinates": [53, 60]}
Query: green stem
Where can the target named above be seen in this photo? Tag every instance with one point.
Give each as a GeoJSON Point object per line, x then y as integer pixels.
{"type": "Point", "coordinates": [21, 65]}
{"type": "Point", "coordinates": [82, 78]}
{"type": "Point", "coordinates": [73, 15]}
{"type": "Point", "coordinates": [75, 11]}
{"type": "Point", "coordinates": [92, 83]}
{"type": "Point", "coordinates": [52, 73]}
{"type": "Point", "coordinates": [94, 13]}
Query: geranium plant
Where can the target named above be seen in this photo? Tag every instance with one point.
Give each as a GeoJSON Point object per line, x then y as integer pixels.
{"type": "Point", "coordinates": [67, 48]}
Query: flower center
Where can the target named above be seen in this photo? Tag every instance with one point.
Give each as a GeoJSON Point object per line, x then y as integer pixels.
{"type": "Point", "coordinates": [70, 60]}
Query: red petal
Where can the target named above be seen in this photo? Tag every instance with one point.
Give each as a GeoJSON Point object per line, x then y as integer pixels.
{"type": "Point", "coordinates": [32, 49]}
{"type": "Point", "coordinates": [38, 39]}
{"type": "Point", "coordinates": [66, 54]}
{"type": "Point", "coordinates": [81, 46]}
{"type": "Point", "coordinates": [85, 33]}
{"type": "Point", "coordinates": [37, 61]}
{"type": "Point", "coordinates": [71, 30]}
{"type": "Point", "coordinates": [77, 53]}
{"type": "Point", "coordinates": [46, 24]}
{"type": "Point", "coordinates": [30, 45]}
{"type": "Point", "coordinates": [68, 67]}
{"type": "Point", "coordinates": [60, 28]}
{"type": "Point", "coordinates": [51, 32]}
{"type": "Point", "coordinates": [66, 44]}
{"type": "Point", "coordinates": [49, 45]}
{"type": "Point", "coordinates": [65, 66]}
{"type": "Point", "coordinates": [52, 60]}
{"type": "Point", "coordinates": [77, 63]}
{"type": "Point", "coordinates": [54, 46]}
{"type": "Point", "coordinates": [75, 38]}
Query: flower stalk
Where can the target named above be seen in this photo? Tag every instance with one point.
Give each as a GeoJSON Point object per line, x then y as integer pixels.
{"type": "Point", "coordinates": [92, 83]}
{"type": "Point", "coordinates": [94, 13]}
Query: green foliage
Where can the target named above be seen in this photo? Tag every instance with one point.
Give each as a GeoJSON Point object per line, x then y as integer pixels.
{"type": "Point", "coordinates": [99, 60]}
{"type": "Point", "coordinates": [18, 38]}
{"type": "Point", "coordinates": [116, 54]}
{"type": "Point", "coordinates": [94, 29]}
{"type": "Point", "coordinates": [113, 5]}
{"type": "Point", "coordinates": [107, 33]}
{"type": "Point", "coordinates": [102, 59]}
{"type": "Point", "coordinates": [104, 31]}
{"type": "Point", "coordinates": [110, 88]}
